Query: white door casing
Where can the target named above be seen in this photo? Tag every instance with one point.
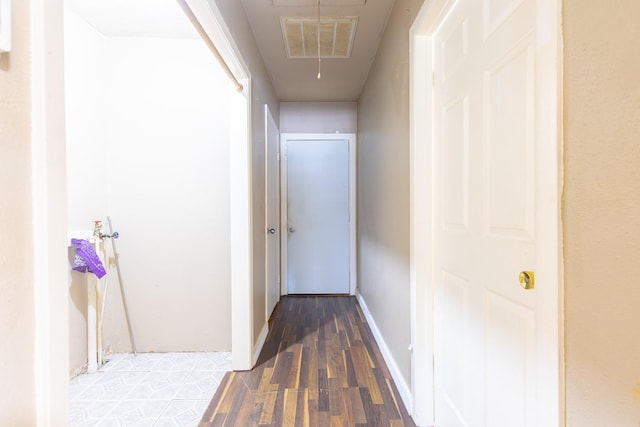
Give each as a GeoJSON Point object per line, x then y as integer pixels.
{"type": "Point", "coordinates": [489, 207]}
{"type": "Point", "coordinates": [318, 243]}
{"type": "Point", "coordinates": [272, 217]}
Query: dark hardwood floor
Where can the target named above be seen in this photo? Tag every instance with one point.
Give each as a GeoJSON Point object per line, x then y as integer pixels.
{"type": "Point", "coordinates": [320, 366]}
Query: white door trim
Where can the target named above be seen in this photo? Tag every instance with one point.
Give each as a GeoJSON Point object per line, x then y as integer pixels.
{"type": "Point", "coordinates": [420, 265]}
{"type": "Point", "coordinates": [284, 139]}
{"type": "Point", "coordinates": [550, 322]}
{"type": "Point", "coordinates": [48, 171]}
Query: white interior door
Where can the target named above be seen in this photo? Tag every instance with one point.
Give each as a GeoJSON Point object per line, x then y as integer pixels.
{"type": "Point", "coordinates": [484, 229]}
{"type": "Point", "coordinates": [272, 205]}
{"type": "Point", "coordinates": [318, 229]}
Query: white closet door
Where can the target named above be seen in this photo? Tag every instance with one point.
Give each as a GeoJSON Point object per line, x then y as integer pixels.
{"type": "Point", "coordinates": [484, 225]}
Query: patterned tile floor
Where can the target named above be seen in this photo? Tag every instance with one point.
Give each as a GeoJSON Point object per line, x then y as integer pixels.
{"type": "Point", "coordinates": [147, 390]}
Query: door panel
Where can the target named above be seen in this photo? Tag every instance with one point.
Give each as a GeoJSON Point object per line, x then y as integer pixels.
{"type": "Point", "coordinates": [509, 139]}
{"type": "Point", "coordinates": [272, 178]}
{"type": "Point", "coordinates": [484, 234]}
{"type": "Point", "coordinates": [455, 160]}
{"type": "Point", "coordinates": [318, 246]}
{"type": "Point", "coordinates": [509, 342]}
{"type": "Point", "coordinates": [455, 299]}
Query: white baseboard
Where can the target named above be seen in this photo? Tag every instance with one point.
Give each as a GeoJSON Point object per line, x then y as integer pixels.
{"type": "Point", "coordinates": [403, 388]}
{"type": "Point", "coordinates": [258, 347]}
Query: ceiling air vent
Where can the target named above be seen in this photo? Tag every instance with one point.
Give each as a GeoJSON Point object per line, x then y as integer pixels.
{"type": "Point", "coordinates": [336, 36]}
{"type": "Point", "coordinates": [324, 2]}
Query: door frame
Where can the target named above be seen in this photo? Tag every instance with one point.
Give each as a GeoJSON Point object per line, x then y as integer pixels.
{"type": "Point", "coordinates": [49, 211]}
{"type": "Point", "coordinates": [51, 323]}
{"type": "Point", "coordinates": [284, 226]}
{"type": "Point", "coordinates": [550, 273]}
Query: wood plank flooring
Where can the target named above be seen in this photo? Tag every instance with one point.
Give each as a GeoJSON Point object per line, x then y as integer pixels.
{"type": "Point", "coordinates": [320, 366]}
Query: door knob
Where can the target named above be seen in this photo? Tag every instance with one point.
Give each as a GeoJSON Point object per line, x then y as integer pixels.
{"type": "Point", "coordinates": [527, 280]}
{"type": "Point", "coordinates": [292, 230]}
{"type": "Point", "coordinates": [272, 231]}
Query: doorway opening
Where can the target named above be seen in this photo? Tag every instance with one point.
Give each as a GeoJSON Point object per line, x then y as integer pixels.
{"type": "Point", "coordinates": [140, 146]}
{"type": "Point", "coordinates": [149, 148]}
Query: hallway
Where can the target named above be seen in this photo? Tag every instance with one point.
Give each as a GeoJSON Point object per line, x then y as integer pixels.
{"type": "Point", "coordinates": [319, 366]}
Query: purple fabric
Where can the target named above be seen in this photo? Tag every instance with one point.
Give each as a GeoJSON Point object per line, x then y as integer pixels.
{"type": "Point", "coordinates": [79, 264]}
{"type": "Point", "coordinates": [87, 258]}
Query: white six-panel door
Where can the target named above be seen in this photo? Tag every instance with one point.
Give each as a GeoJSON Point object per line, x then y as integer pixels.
{"type": "Point", "coordinates": [484, 108]}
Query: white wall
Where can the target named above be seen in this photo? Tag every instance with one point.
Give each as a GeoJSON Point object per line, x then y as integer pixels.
{"type": "Point", "coordinates": [149, 129]}
{"type": "Point", "coordinates": [85, 73]}
{"type": "Point", "coordinates": [601, 212]}
{"type": "Point", "coordinates": [318, 117]}
{"type": "Point", "coordinates": [17, 314]}
{"type": "Point", "coordinates": [383, 187]}
{"type": "Point", "coordinates": [169, 192]}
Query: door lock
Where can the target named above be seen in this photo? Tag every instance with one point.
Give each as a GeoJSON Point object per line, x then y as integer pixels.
{"type": "Point", "coordinates": [527, 280]}
{"type": "Point", "coordinates": [271, 230]}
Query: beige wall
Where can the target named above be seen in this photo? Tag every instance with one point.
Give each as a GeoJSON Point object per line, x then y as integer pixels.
{"type": "Point", "coordinates": [601, 212]}
{"type": "Point", "coordinates": [262, 93]}
{"type": "Point", "coordinates": [318, 117]}
{"type": "Point", "coordinates": [383, 186]}
{"type": "Point", "coordinates": [17, 327]}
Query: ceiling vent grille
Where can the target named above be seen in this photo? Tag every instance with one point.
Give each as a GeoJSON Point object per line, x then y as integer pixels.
{"type": "Point", "coordinates": [288, 3]}
{"type": "Point", "coordinates": [336, 36]}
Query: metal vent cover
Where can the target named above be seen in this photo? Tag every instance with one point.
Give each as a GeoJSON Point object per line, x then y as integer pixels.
{"type": "Point", "coordinates": [336, 36]}
{"type": "Point", "coordinates": [288, 3]}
